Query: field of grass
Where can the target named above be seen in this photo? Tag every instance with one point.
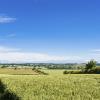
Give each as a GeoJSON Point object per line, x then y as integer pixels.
{"type": "Point", "coordinates": [55, 86]}
{"type": "Point", "coordinates": [18, 71]}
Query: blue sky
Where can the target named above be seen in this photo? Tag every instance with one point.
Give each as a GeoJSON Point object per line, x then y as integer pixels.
{"type": "Point", "coordinates": [56, 30]}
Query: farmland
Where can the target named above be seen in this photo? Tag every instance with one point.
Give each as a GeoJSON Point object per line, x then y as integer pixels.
{"type": "Point", "coordinates": [18, 71]}
{"type": "Point", "coordinates": [54, 86]}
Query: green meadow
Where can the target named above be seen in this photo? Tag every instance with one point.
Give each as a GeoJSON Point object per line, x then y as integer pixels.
{"type": "Point", "coordinates": [54, 86]}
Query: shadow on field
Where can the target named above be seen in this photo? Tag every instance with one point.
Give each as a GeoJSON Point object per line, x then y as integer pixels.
{"type": "Point", "coordinates": [5, 94]}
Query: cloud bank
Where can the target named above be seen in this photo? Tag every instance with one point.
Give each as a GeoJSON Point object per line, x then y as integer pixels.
{"type": "Point", "coordinates": [11, 55]}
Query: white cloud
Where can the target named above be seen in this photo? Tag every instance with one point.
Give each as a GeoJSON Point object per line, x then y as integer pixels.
{"type": "Point", "coordinates": [13, 55]}
{"type": "Point", "coordinates": [6, 19]}
{"type": "Point", "coordinates": [10, 55]}
{"type": "Point", "coordinates": [95, 50]}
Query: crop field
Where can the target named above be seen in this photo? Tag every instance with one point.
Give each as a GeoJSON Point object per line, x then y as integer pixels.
{"type": "Point", "coordinates": [54, 86]}
{"type": "Point", "coordinates": [18, 71]}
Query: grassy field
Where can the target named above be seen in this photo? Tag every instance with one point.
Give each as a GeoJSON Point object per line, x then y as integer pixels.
{"type": "Point", "coordinates": [18, 71]}
{"type": "Point", "coordinates": [54, 86]}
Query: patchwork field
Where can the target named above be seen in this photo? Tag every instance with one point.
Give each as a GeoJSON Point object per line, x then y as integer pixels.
{"type": "Point", "coordinates": [54, 86]}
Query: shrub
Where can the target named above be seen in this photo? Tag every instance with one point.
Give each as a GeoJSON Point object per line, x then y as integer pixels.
{"type": "Point", "coordinates": [76, 72]}
{"type": "Point", "coordinates": [4, 66]}
{"type": "Point", "coordinates": [15, 68]}
{"type": "Point", "coordinates": [65, 72]}
{"type": "Point", "coordinates": [72, 72]}
{"type": "Point", "coordinates": [39, 71]}
{"type": "Point", "coordinates": [33, 68]}
{"type": "Point", "coordinates": [97, 70]}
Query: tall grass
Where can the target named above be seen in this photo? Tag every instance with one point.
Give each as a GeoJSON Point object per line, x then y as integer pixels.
{"type": "Point", "coordinates": [54, 86]}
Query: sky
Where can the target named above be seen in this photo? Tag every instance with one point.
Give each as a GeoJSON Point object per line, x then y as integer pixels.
{"type": "Point", "coordinates": [60, 31]}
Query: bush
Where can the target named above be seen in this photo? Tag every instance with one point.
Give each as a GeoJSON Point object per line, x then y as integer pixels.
{"type": "Point", "coordinates": [89, 71]}
{"type": "Point", "coordinates": [76, 72]}
{"type": "Point", "coordinates": [65, 72]}
{"type": "Point", "coordinates": [97, 70]}
{"type": "Point", "coordinates": [72, 72]}
{"type": "Point", "coordinates": [33, 68]}
{"type": "Point", "coordinates": [92, 71]}
{"type": "Point", "coordinates": [4, 66]}
{"type": "Point", "coordinates": [39, 71]}
{"type": "Point", "coordinates": [15, 68]}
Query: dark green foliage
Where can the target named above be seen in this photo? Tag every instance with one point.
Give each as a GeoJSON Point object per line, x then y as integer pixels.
{"type": "Point", "coordinates": [39, 71]}
{"type": "Point", "coordinates": [73, 72]}
{"type": "Point", "coordinates": [33, 68]}
{"type": "Point", "coordinates": [2, 88]}
{"type": "Point", "coordinates": [90, 65]}
{"type": "Point", "coordinates": [9, 96]}
{"type": "Point", "coordinates": [89, 69]}
{"type": "Point", "coordinates": [4, 66]}
{"type": "Point", "coordinates": [65, 72]}
{"type": "Point", "coordinates": [97, 70]}
{"type": "Point", "coordinates": [15, 68]}
{"type": "Point", "coordinates": [5, 94]}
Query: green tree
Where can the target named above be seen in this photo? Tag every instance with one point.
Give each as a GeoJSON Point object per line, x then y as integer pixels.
{"type": "Point", "coordinates": [90, 65]}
